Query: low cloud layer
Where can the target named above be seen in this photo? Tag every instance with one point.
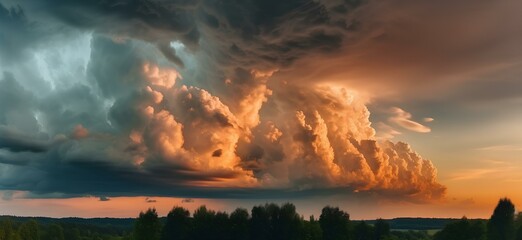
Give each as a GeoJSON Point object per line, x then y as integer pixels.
{"type": "Point", "coordinates": [184, 99]}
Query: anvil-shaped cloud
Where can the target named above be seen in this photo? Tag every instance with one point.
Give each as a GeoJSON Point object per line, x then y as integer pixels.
{"type": "Point", "coordinates": [178, 98]}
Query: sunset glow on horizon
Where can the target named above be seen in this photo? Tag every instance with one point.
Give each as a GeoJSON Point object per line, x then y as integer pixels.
{"type": "Point", "coordinates": [385, 109]}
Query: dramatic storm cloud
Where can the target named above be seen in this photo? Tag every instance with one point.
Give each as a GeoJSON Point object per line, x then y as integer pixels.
{"type": "Point", "coordinates": [190, 99]}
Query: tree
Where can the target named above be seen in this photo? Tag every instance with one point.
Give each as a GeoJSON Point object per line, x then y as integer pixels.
{"type": "Point", "coordinates": [204, 228]}
{"type": "Point", "coordinates": [73, 234]}
{"type": "Point", "coordinates": [518, 220]}
{"type": "Point", "coordinates": [463, 229]}
{"type": "Point", "coordinates": [312, 229]}
{"type": "Point", "coordinates": [29, 231]}
{"type": "Point", "coordinates": [147, 226]}
{"type": "Point", "coordinates": [289, 223]}
{"type": "Point", "coordinates": [54, 232]}
{"type": "Point", "coordinates": [363, 231]}
{"type": "Point", "coordinates": [272, 210]}
{"type": "Point", "coordinates": [221, 226]}
{"type": "Point", "coordinates": [519, 234]}
{"type": "Point", "coordinates": [260, 223]}
{"type": "Point", "coordinates": [518, 226]}
{"type": "Point", "coordinates": [409, 235]}
{"type": "Point", "coordinates": [334, 223]}
{"type": "Point", "coordinates": [239, 224]}
{"type": "Point", "coordinates": [381, 229]}
{"type": "Point", "coordinates": [7, 232]}
{"type": "Point", "coordinates": [178, 225]}
{"type": "Point", "coordinates": [501, 224]}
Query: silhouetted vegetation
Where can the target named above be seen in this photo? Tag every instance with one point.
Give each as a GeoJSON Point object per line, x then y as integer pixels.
{"type": "Point", "coordinates": [334, 223]}
{"type": "Point", "coordinates": [178, 225]}
{"type": "Point", "coordinates": [148, 226]}
{"type": "Point", "coordinates": [417, 223]}
{"type": "Point", "coordinates": [463, 229]}
{"type": "Point", "coordinates": [501, 226]}
{"type": "Point", "coordinates": [264, 222]}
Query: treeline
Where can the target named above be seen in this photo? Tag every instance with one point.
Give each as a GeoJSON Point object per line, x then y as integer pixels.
{"type": "Point", "coordinates": [503, 225]}
{"type": "Point", "coordinates": [266, 222]}
{"type": "Point", "coordinates": [34, 230]}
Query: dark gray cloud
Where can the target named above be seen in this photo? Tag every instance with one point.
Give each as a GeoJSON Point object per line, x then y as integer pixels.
{"type": "Point", "coordinates": [16, 33]}
{"type": "Point", "coordinates": [17, 142]}
{"type": "Point", "coordinates": [16, 104]}
{"type": "Point", "coordinates": [248, 32]}
{"type": "Point", "coordinates": [155, 21]}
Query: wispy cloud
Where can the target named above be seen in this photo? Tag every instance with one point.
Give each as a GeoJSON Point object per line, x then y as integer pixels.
{"type": "Point", "coordinates": [491, 169]}
{"type": "Point", "coordinates": [474, 173]}
{"type": "Point", "coordinates": [428, 119]}
{"type": "Point", "coordinates": [403, 119]}
{"type": "Point", "coordinates": [385, 131]}
{"type": "Point", "coordinates": [507, 148]}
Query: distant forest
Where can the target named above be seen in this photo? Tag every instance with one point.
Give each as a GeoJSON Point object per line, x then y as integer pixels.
{"type": "Point", "coordinates": [264, 222]}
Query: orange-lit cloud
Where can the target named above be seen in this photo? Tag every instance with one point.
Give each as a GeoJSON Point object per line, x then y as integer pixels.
{"type": "Point", "coordinates": [244, 121]}
{"type": "Point", "coordinates": [428, 120]}
{"type": "Point", "coordinates": [403, 119]}
{"type": "Point", "coordinates": [385, 131]}
{"type": "Point", "coordinates": [274, 137]}
{"type": "Point", "coordinates": [319, 138]}
{"type": "Point", "coordinates": [509, 148]}
{"type": "Point", "coordinates": [80, 132]}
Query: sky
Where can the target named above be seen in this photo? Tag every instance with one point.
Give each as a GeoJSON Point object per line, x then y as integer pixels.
{"type": "Point", "coordinates": [383, 108]}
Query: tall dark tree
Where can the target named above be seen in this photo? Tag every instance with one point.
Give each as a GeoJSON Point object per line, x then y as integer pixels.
{"type": "Point", "coordinates": [289, 223]}
{"type": "Point", "coordinates": [239, 224]}
{"type": "Point", "coordinates": [29, 230]}
{"type": "Point", "coordinates": [260, 223]}
{"type": "Point", "coordinates": [501, 225]}
{"type": "Point", "coordinates": [381, 229]}
{"type": "Point", "coordinates": [334, 223]}
{"type": "Point", "coordinates": [204, 224]}
{"type": "Point", "coordinates": [147, 226]}
{"type": "Point", "coordinates": [272, 210]}
{"type": "Point", "coordinates": [178, 225]}
{"type": "Point", "coordinates": [222, 226]}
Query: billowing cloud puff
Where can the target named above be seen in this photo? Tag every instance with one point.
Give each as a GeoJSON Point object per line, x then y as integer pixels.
{"type": "Point", "coordinates": [182, 99]}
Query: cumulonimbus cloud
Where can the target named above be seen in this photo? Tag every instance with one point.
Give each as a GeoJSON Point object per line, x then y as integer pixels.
{"type": "Point", "coordinates": [139, 123]}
